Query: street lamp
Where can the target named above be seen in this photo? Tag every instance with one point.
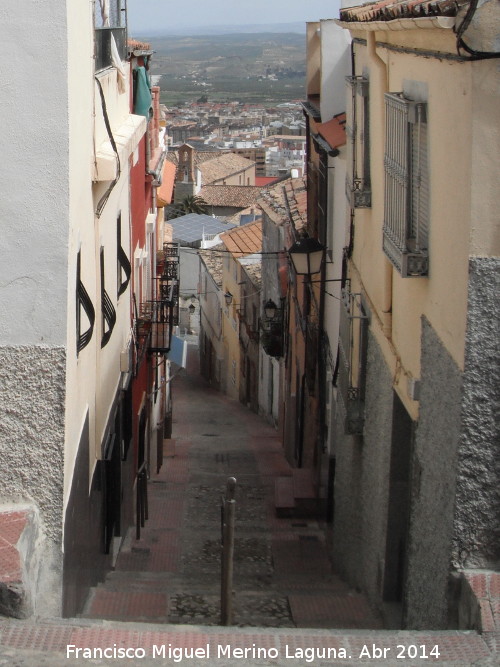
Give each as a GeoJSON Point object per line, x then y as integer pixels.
{"type": "Point", "coordinates": [270, 309]}
{"type": "Point", "coordinates": [228, 298]}
{"type": "Point", "coordinates": [307, 256]}
{"type": "Point", "coordinates": [191, 309]}
{"type": "Point", "coordinates": [272, 329]}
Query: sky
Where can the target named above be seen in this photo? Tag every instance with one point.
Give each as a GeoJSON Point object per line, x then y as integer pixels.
{"type": "Point", "coordinates": [156, 15]}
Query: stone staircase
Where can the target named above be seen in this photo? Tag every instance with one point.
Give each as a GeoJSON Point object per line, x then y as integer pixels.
{"type": "Point", "coordinates": [295, 495]}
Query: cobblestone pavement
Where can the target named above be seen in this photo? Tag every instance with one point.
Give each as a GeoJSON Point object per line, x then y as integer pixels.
{"type": "Point", "coordinates": [161, 603]}
{"type": "Point", "coordinates": [282, 575]}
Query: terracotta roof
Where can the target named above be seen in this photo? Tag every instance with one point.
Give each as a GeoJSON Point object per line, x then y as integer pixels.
{"type": "Point", "coordinates": [272, 201]}
{"type": "Point", "coordinates": [245, 215]}
{"type": "Point", "coordinates": [213, 261]}
{"type": "Point", "coordinates": [261, 181]}
{"type": "Point", "coordinates": [222, 167]}
{"type": "Point", "coordinates": [244, 240]}
{"type": "Point", "coordinates": [286, 201]}
{"type": "Point", "coordinates": [136, 45]}
{"type": "Point", "coordinates": [296, 196]}
{"type": "Point", "coordinates": [199, 156]}
{"type": "Point", "coordinates": [253, 270]}
{"type": "Point", "coordinates": [333, 131]}
{"type": "Point", "coordinates": [387, 10]}
{"type": "Point", "coordinates": [236, 196]}
{"type": "Point", "coordinates": [165, 191]}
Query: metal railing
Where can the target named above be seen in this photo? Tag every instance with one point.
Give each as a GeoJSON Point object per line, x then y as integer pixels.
{"type": "Point", "coordinates": [142, 500]}
{"type": "Point", "coordinates": [228, 509]}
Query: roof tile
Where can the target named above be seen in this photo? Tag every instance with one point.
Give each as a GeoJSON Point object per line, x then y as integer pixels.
{"type": "Point", "coordinates": [387, 10]}
{"type": "Point", "coordinates": [244, 240]}
{"type": "Point", "coordinates": [222, 167]}
{"type": "Point", "coordinates": [236, 196]}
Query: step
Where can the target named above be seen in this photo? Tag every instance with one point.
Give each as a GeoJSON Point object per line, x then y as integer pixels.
{"type": "Point", "coordinates": [18, 561]}
{"type": "Point", "coordinates": [303, 486]}
{"type": "Point", "coordinates": [306, 500]}
{"type": "Point", "coordinates": [21, 639]}
{"type": "Point", "coordinates": [284, 501]}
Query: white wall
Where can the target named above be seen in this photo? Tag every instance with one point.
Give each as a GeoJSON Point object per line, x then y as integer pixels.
{"type": "Point", "coordinates": [335, 66]}
{"type": "Point", "coordinates": [34, 174]}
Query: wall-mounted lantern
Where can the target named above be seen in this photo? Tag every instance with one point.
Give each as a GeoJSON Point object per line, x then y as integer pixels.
{"type": "Point", "coordinates": [306, 256]}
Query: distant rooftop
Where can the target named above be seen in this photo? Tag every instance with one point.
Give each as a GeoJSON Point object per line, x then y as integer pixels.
{"type": "Point", "coordinates": [190, 228]}
{"type": "Point", "coordinates": [235, 196]}
{"type": "Point", "coordinates": [213, 261]}
{"type": "Point", "coordinates": [244, 240]}
{"type": "Point", "coordinates": [286, 201]}
{"type": "Point", "coordinates": [222, 167]}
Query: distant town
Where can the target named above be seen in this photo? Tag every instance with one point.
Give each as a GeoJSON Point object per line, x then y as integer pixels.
{"type": "Point", "coordinates": [273, 138]}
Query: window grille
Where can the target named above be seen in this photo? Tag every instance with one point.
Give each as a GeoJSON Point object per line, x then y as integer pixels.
{"type": "Point", "coordinates": [107, 29]}
{"type": "Point", "coordinates": [406, 214]}
{"type": "Point", "coordinates": [358, 143]}
{"type": "Point", "coordinates": [83, 301]}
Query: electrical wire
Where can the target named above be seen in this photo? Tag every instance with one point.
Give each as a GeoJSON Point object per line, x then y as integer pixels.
{"type": "Point", "coordinates": [475, 55]}
{"type": "Point", "coordinates": [197, 251]}
{"type": "Point", "coordinates": [102, 201]}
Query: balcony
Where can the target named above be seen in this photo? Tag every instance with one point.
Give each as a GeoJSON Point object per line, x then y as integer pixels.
{"type": "Point", "coordinates": [102, 44]}
{"type": "Point", "coordinates": [165, 316]}
{"type": "Point", "coordinates": [164, 312]}
{"type": "Point", "coordinates": [155, 324]}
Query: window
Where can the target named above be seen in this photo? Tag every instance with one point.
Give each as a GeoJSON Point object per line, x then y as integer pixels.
{"type": "Point", "coordinates": [110, 26]}
{"type": "Point", "coordinates": [83, 301]}
{"type": "Point", "coordinates": [123, 264]}
{"type": "Point", "coordinates": [108, 311]}
{"type": "Point", "coordinates": [406, 213]}
{"type": "Point", "coordinates": [358, 143]}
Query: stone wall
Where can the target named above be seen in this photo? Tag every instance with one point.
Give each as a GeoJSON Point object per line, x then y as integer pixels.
{"type": "Point", "coordinates": [476, 542]}
{"type": "Point", "coordinates": [433, 485]}
{"type": "Point", "coordinates": [32, 395]}
{"type": "Point", "coordinates": [362, 482]}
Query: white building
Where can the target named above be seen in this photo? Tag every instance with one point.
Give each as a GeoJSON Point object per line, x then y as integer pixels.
{"type": "Point", "coordinates": [64, 292]}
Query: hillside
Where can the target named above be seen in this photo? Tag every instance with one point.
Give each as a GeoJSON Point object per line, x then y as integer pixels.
{"type": "Point", "coordinates": [265, 68]}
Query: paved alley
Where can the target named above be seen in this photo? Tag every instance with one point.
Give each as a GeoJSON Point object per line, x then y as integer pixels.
{"type": "Point", "coordinates": [161, 603]}
{"type": "Point", "coordinates": [282, 575]}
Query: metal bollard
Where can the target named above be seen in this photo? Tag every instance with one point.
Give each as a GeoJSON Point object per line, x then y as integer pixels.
{"type": "Point", "coordinates": [228, 508]}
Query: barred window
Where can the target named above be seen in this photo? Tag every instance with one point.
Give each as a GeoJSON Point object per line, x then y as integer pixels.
{"type": "Point", "coordinates": [406, 212]}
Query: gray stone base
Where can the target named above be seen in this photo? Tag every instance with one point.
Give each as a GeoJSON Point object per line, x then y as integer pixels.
{"type": "Point", "coordinates": [32, 396]}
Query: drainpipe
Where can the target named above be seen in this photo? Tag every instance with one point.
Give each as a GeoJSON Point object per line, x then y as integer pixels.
{"type": "Point", "coordinates": [155, 173]}
{"type": "Point", "coordinates": [378, 65]}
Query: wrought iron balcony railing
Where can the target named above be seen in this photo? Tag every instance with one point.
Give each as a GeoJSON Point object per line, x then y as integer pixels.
{"type": "Point", "coordinates": [164, 317]}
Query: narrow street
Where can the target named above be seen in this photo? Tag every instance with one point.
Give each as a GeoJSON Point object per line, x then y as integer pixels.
{"type": "Point", "coordinates": [282, 574]}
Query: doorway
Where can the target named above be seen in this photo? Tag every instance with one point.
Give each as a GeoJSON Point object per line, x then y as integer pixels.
{"type": "Point", "coordinates": [398, 516]}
